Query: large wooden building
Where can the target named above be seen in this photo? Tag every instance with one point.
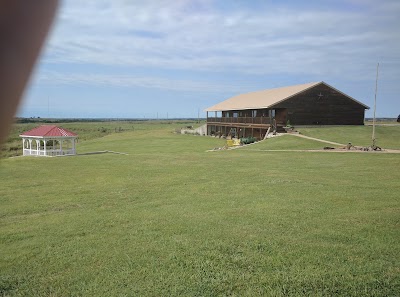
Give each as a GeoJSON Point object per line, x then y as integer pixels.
{"type": "Point", "coordinates": [253, 113]}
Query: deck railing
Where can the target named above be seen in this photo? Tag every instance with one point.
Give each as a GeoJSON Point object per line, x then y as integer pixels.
{"type": "Point", "coordinates": [240, 120]}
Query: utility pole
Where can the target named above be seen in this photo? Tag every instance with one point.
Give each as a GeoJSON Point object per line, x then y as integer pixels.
{"type": "Point", "coordinates": [373, 121]}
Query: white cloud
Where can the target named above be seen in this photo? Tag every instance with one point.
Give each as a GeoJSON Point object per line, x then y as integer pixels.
{"type": "Point", "coordinates": [214, 49]}
{"type": "Point", "coordinates": [93, 79]}
{"type": "Point", "coordinates": [173, 35]}
{"type": "Point", "coordinates": [327, 42]}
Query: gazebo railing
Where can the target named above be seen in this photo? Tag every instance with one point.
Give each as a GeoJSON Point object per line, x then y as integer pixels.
{"type": "Point", "coordinates": [28, 152]}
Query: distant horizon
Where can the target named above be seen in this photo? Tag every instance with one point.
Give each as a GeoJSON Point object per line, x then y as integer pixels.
{"type": "Point", "coordinates": [161, 119]}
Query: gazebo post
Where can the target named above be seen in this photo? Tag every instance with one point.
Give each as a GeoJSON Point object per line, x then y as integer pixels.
{"type": "Point", "coordinates": [40, 147]}
{"type": "Point", "coordinates": [73, 145]}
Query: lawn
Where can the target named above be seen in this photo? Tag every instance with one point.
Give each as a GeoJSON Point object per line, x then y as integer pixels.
{"type": "Point", "coordinates": [86, 130]}
{"type": "Point", "coordinates": [386, 136]}
{"type": "Point", "coordinates": [288, 142]}
{"type": "Point", "coordinates": [170, 219]}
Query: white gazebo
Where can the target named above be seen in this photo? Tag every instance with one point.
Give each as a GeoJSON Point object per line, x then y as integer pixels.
{"type": "Point", "coordinates": [49, 141]}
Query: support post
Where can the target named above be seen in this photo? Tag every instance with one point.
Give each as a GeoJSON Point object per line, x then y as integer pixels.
{"type": "Point", "coordinates": [373, 123]}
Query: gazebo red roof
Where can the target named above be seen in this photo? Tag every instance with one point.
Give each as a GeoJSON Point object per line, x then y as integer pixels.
{"type": "Point", "coordinates": [49, 131]}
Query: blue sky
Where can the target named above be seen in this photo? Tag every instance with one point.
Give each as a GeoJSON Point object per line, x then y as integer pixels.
{"type": "Point", "coordinates": [137, 59]}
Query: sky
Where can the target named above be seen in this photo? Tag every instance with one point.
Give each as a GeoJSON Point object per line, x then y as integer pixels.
{"type": "Point", "coordinates": [173, 59]}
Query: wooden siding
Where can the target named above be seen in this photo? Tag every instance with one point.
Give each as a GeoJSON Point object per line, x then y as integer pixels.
{"type": "Point", "coordinates": [332, 108]}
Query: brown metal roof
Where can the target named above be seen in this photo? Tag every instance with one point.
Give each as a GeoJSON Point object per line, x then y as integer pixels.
{"type": "Point", "coordinates": [266, 98]}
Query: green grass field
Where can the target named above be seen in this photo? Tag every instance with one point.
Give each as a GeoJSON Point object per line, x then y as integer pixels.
{"type": "Point", "coordinates": [386, 136]}
{"type": "Point", "coordinates": [170, 219]}
{"type": "Point", "coordinates": [288, 142]}
{"type": "Point", "coordinates": [85, 130]}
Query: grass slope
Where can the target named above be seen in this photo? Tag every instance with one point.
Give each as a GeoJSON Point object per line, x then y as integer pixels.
{"type": "Point", "coordinates": [87, 131]}
{"type": "Point", "coordinates": [172, 219]}
{"type": "Point", "coordinates": [386, 136]}
{"type": "Point", "coordinates": [288, 142]}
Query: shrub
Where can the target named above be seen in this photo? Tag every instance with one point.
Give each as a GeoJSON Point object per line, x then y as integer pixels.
{"type": "Point", "coordinates": [247, 140]}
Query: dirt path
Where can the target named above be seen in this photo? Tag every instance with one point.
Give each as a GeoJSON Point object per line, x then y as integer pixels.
{"type": "Point", "coordinates": [337, 150]}
{"type": "Point", "coordinates": [317, 139]}
{"type": "Point", "coordinates": [331, 151]}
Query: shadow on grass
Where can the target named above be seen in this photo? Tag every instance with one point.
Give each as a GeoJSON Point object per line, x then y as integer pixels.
{"type": "Point", "coordinates": [99, 152]}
